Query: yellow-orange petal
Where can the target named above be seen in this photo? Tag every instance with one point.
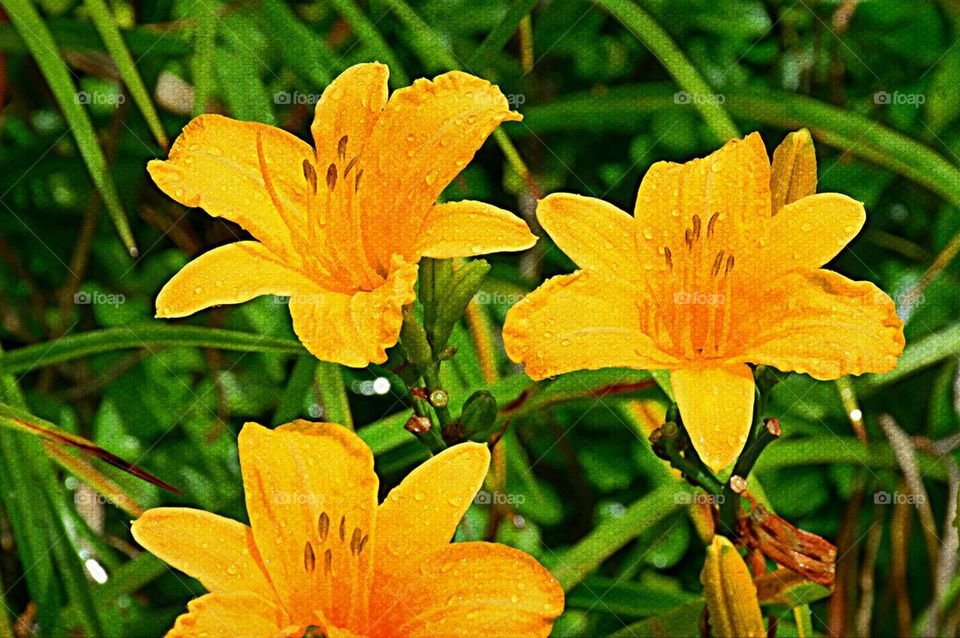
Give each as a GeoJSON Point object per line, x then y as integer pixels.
{"type": "Point", "coordinates": [825, 325]}
{"type": "Point", "coordinates": [229, 274]}
{"type": "Point", "coordinates": [215, 164]}
{"type": "Point", "coordinates": [804, 235]}
{"type": "Point", "coordinates": [716, 405]}
{"type": "Point", "coordinates": [217, 551]}
{"type": "Point", "coordinates": [346, 112]}
{"type": "Point", "coordinates": [733, 181]}
{"type": "Point", "coordinates": [420, 515]}
{"type": "Point", "coordinates": [470, 589]}
{"type": "Point", "coordinates": [793, 172]}
{"type": "Point", "coordinates": [467, 228]}
{"type": "Point", "coordinates": [583, 321]}
{"type": "Point", "coordinates": [425, 136]}
{"type": "Point", "coordinates": [731, 593]}
{"type": "Point", "coordinates": [311, 496]}
{"type": "Point", "coordinates": [594, 234]}
{"type": "Point", "coordinates": [239, 614]}
{"type": "Point", "coordinates": [353, 329]}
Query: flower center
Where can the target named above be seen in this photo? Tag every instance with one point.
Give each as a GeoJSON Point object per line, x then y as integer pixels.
{"type": "Point", "coordinates": [696, 321]}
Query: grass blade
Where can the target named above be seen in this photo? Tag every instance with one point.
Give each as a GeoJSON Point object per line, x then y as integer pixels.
{"type": "Point", "coordinates": [143, 336]}
{"type": "Point", "coordinates": [501, 34]}
{"type": "Point", "coordinates": [43, 48]}
{"type": "Point", "coordinates": [301, 49]}
{"type": "Point", "coordinates": [368, 34]}
{"type": "Point", "coordinates": [201, 64]}
{"type": "Point", "coordinates": [661, 45]}
{"type": "Point", "coordinates": [110, 33]}
{"type": "Point", "coordinates": [19, 420]}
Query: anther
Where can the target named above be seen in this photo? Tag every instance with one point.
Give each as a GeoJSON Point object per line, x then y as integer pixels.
{"type": "Point", "coordinates": [711, 224]}
{"type": "Point", "coordinates": [716, 264]}
{"type": "Point", "coordinates": [729, 265]}
{"type": "Point", "coordinates": [342, 147]}
{"type": "Point", "coordinates": [323, 525]}
{"type": "Point", "coordinates": [355, 541]}
{"type": "Point", "coordinates": [696, 227]}
{"type": "Point", "coordinates": [688, 238]}
{"type": "Point", "coordinates": [356, 184]}
{"type": "Point", "coordinates": [328, 562]}
{"type": "Point", "coordinates": [310, 174]}
{"type": "Point", "coordinates": [331, 176]}
{"type": "Point", "coordinates": [309, 559]}
{"type": "Point", "coordinates": [350, 164]}
{"type": "Point", "coordinates": [669, 257]}
{"type": "Point", "coordinates": [343, 528]}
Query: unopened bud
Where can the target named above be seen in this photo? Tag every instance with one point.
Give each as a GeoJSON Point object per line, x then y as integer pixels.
{"type": "Point", "coordinates": [738, 484]}
{"type": "Point", "coordinates": [439, 398]}
{"type": "Point", "coordinates": [418, 425]}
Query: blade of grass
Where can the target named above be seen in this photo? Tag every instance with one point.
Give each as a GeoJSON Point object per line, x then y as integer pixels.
{"type": "Point", "coordinates": [919, 354]}
{"type": "Point", "coordinates": [298, 384]}
{"type": "Point", "coordinates": [299, 47]}
{"type": "Point", "coordinates": [661, 45]}
{"type": "Point", "coordinates": [88, 473]}
{"type": "Point", "coordinates": [609, 536]}
{"type": "Point", "coordinates": [369, 35]}
{"type": "Point", "coordinates": [333, 394]}
{"type": "Point", "coordinates": [433, 51]}
{"type": "Point", "coordinates": [110, 33]}
{"type": "Point", "coordinates": [20, 420]}
{"type": "Point", "coordinates": [204, 48]}
{"type": "Point", "coordinates": [43, 48]}
{"type": "Point", "coordinates": [143, 336]}
{"type": "Point", "coordinates": [500, 34]}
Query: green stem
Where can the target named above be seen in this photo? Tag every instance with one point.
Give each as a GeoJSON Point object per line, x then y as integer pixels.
{"type": "Point", "coordinates": [672, 443]}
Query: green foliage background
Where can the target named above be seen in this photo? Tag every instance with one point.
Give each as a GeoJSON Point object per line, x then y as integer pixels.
{"type": "Point", "coordinates": [599, 86]}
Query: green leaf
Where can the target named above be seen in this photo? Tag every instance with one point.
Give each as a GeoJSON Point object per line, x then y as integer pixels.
{"type": "Point", "coordinates": [300, 48]}
{"type": "Point", "coordinates": [204, 50]}
{"type": "Point", "coordinates": [694, 87]}
{"type": "Point", "coordinates": [150, 336]}
{"type": "Point", "coordinates": [43, 48]}
{"type": "Point", "coordinates": [500, 34]}
{"type": "Point", "coordinates": [459, 290]}
{"type": "Point", "coordinates": [612, 534]}
{"type": "Point", "coordinates": [107, 27]}
{"type": "Point", "coordinates": [624, 598]}
{"type": "Point", "coordinates": [367, 32]}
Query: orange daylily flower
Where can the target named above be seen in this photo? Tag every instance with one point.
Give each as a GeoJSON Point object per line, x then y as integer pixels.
{"type": "Point", "coordinates": [321, 554]}
{"type": "Point", "coordinates": [719, 266]}
{"type": "Point", "coordinates": [339, 228]}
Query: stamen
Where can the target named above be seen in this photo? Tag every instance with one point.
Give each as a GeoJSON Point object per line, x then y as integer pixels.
{"type": "Point", "coordinates": [356, 184]}
{"type": "Point", "coordinates": [346, 171]}
{"type": "Point", "coordinates": [669, 257]}
{"type": "Point", "coordinates": [716, 264]}
{"type": "Point", "coordinates": [729, 265]}
{"type": "Point", "coordinates": [310, 174]}
{"type": "Point", "coordinates": [309, 559]}
{"type": "Point", "coordinates": [355, 541]}
{"type": "Point", "coordinates": [696, 227]}
{"type": "Point", "coordinates": [711, 224]}
{"type": "Point", "coordinates": [327, 562]}
{"type": "Point", "coordinates": [343, 528]}
{"type": "Point", "coordinates": [323, 526]}
{"type": "Point", "coordinates": [688, 238]}
{"type": "Point", "coordinates": [332, 176]}
{"type": "Point", "coordinates": [362, 544]}
{"type": "Point", "coordinates": [342, 147]}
